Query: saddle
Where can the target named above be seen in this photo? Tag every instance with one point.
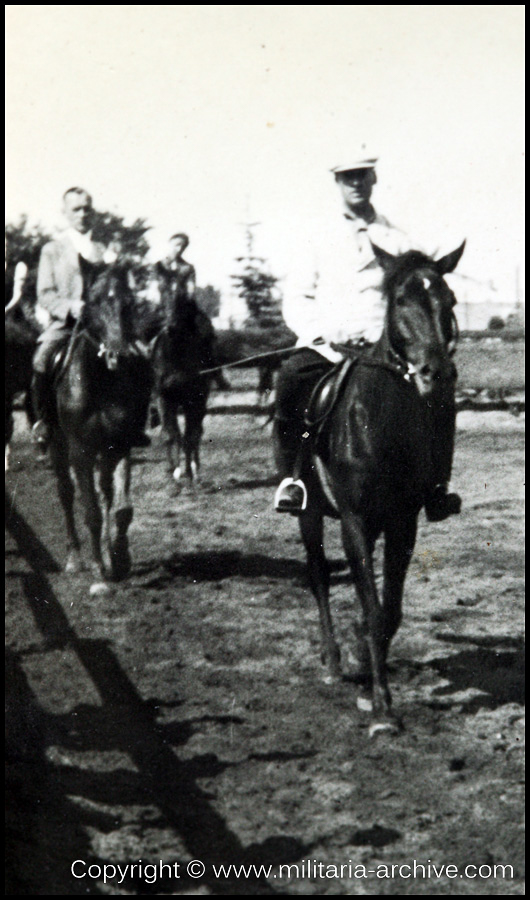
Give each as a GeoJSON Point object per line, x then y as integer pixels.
{"type": "Point", "coordinates": [322, 402]}
{"type": "Point", "coordinates": [325, 395]}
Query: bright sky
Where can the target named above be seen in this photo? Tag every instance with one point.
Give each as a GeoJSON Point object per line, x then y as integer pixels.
{"type": "Point", "coordinates": [200, 118]}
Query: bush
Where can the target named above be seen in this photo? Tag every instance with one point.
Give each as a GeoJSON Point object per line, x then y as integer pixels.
{"type": "Point", "coordinates": [496, 323]}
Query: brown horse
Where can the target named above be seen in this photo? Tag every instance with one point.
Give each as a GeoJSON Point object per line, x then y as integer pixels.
{"type": "Point", "coordinates": [183, 348]}
{"type": "Point", "coordinates": [372, 462]}
{"type": "Point", "coordinates": [102, 394]}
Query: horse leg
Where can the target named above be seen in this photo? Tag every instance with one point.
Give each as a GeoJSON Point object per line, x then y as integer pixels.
{"type": "Point", "coordinates": [65, 487]}
{"type": "Point", "coordinates": [84, 466]}
{"type": "Point", "coordinates": [370, 628]}
{"type": "Point", "coordinates": [399, 545]}
{"type": "Point", "coordinates": [121, 560]}
{"type": "Point", "coordinates": [312, 529]}
{"type": "Point", "coordinates": [194, 415]}
{"type": "Point", "coordinates": [170, 425]}
{"type": "Point", "coordinates": [28, 408]}
{"type": "Point", "coordinates": [265, 385]}
{"type": "Point", "coordinates": [106, 481]}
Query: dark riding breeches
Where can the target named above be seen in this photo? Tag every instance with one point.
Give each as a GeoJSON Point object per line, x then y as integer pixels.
{"type": "Point", "coordinates": [296, 381]}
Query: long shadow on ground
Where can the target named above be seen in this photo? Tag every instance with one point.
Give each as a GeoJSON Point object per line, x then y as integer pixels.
{"type": "Point", "coordinates": [125, 722]}
{"type": "Point", "coordinates": [495, 666]}
{"type": "Point", "coordinates": [214, 565]}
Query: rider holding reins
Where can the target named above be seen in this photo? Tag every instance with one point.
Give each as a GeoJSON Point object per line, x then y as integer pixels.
{"type": "Point", "coordinates": [348, 307]}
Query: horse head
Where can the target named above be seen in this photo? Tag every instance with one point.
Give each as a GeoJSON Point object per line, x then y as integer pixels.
{"type": "Point", "coordinates": [420, 329]}
{"type": "Point", "coordinates": [108, 314]}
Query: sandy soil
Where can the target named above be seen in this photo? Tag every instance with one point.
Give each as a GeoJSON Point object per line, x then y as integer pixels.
{"type": "Point", "coordinates": [184, 715]}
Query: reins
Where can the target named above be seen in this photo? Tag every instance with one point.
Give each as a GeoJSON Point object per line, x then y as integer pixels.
{"type": "Point", "coordinates": [249, 359]}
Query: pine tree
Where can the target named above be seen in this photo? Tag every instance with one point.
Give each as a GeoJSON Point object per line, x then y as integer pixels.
{"type": "Point", "coordinates": [257, 288]}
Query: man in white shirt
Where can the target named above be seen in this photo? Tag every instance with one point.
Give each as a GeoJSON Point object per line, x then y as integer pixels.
{"type": "Point", "coordinates": [348, 306]}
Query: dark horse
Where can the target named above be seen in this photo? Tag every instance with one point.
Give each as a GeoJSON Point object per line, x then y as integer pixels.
{"type": "Point", "coordinates": [20, 342]}
{"type": "Point", "coordinates": [102, 393]}
{"type": "Point", "coordinates": [183, 348]}
{"type": "Point", "coordinates": [371, 465]}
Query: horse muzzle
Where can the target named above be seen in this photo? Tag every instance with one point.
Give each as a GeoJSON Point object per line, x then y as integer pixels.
{"type": "Point", "coordinates": [109, 356]}
{"type": "Point", "coordinates": [432, 376]}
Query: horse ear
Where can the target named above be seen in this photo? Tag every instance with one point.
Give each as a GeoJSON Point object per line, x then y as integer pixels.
{"type": "Point", "coordinates": [384, 258]}
{"type": "Point", "coordinates": [449, 263]}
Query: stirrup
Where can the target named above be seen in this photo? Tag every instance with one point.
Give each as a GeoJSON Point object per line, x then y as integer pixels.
{"type": "Point", "coordinates": [280, 505]}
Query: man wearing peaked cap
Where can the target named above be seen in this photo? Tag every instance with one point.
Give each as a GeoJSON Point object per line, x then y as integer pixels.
{"type": "Point", "coordinates": [346, 305]}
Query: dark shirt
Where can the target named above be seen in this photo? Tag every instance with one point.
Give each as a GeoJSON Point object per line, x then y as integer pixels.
{"type": "Point", "coordinates": [177, 287]}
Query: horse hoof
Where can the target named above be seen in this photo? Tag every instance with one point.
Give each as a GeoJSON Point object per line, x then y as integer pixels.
{"type": "Point", "coordinates": [73, 565]}
{"type": "Point", "coordinates": [388, 726]}
{"type": "Point", "coordinates": [99, 589]}
{"type": "Point", "coordinates": [177, 473]}
{"type": "Point", "coordinates": [364, 704]}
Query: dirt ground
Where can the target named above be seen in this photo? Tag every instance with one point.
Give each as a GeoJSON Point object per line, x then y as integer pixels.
{"type": "Point", "coordinates": [184, 715]}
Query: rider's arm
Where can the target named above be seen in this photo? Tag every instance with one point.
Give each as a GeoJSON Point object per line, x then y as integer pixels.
{"type": "Point", "coordinates": [48, 294]}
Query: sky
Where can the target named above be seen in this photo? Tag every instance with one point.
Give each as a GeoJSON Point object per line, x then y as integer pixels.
{"type": "Point", "coordinates": [202, 118]}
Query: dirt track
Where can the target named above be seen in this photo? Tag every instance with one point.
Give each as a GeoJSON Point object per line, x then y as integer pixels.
{"type": "Point", "coordinates": [185, 717]}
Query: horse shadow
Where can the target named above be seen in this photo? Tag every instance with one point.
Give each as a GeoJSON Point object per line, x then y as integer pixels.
{"type": "Point", "coordinates": [495, 666]}
{"type": "Point", "coordinates": [216, 565]}
{"type": "Point", "coordinates": [48, 828]}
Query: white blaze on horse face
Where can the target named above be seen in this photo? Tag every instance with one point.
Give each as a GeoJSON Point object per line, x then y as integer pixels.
{"type": "Point", "coordinates": [426, 283]}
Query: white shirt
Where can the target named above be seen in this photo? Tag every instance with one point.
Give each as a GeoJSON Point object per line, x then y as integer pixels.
{"type": "Point", "coordinates": [346, 302]}
{"type": "Point", "coordinates": [84, 245]}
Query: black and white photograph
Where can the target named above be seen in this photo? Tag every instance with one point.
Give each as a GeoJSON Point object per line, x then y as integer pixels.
{"type": "Point", "coordinates": [264, 450]}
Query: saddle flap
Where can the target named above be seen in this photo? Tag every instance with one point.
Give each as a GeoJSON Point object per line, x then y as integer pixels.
{"type": "Point", "coordinates": [326, 393]}
{"type": "Point", "coordinates": [56, 361]}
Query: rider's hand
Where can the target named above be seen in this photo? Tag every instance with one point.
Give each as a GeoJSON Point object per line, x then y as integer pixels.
{"type": "Point", "coordinates": [76, 308]}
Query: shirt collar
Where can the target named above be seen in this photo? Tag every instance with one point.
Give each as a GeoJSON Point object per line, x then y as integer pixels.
{"type": "Point", "coordinates": [83, 243]}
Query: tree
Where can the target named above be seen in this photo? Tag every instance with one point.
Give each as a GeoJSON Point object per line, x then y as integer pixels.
{"type": "Point", "coordinates": [129, 240]}
{"type": "Point", "coordinates": [258, 289]}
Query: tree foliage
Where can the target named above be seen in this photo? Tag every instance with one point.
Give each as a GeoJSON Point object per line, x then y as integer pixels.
{"type": "Point", "coordinates": [258, 288]}
{"type": "Point", "coordinates": [128, 240]}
